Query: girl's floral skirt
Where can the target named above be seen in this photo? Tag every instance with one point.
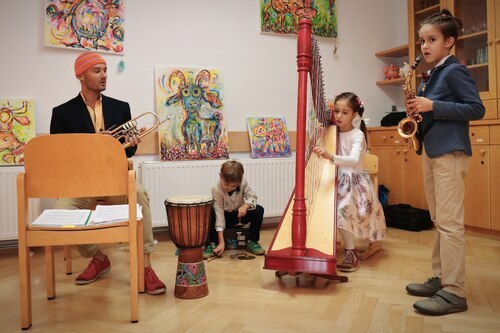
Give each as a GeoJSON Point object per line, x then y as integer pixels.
{"type": "Point", "coordinates": [359, 210]}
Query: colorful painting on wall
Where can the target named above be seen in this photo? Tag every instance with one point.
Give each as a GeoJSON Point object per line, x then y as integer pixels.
{"type": "Point", "coordinates": [17, 127]}
{"type": "Point", "coordinates": [192, 100]}
{"type": "Point", "coordinates": [268, 137]}
{"type": "Point", "coordinates": [282, 16]}
{"type": "Point", "coordinates": [86, 24]}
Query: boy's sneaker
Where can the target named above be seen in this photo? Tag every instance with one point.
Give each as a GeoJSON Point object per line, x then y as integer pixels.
{"type": "Point", "coordinates": [441, 303]}
{"type": "Point", "coordinates": [94, 270]}
{"type": "Point", "coordinates": [350, 262]}
{"type": "Point", "coordinates": [426, 289]}
{"type": "Point", "coordinates": [209, 251]}
{"type": "Point", "coordinates": [153, 284]}
{"type": "Point", "coordinates": [255, 248]}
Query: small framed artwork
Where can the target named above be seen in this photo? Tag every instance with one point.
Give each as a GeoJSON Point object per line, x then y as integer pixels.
{"type": "Point", "coordinates": [282, 16]}
{"type": "Point", "coordinates": [268, 137]}
{"type": "Point", "coordinates": [91, 25]}
{"type": "Point", "coordinates": [17, 127]}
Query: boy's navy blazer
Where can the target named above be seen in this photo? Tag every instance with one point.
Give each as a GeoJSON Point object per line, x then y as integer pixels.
{"type": "Point", "coordinates": [73, 117]}
{"type": "Point", "coordinates": [456, 101]}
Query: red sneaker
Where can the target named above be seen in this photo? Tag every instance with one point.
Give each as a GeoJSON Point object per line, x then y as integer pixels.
{"type": "Point", "coordinates": [153, 284]}
{"type": "Point", "coordinates": [95, 269]}
{"type": "Point", "coordinates": [351, 261]}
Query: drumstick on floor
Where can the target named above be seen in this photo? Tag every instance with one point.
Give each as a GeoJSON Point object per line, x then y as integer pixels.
{"type": "Point", "coordinates": [215, 256]}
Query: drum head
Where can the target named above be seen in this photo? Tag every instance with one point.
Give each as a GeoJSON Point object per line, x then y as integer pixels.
{"type": "Point", "coordinates": [188, 199]}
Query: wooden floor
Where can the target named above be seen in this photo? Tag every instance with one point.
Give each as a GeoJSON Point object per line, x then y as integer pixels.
{"type": "Point", "coordinates": [246, 298]}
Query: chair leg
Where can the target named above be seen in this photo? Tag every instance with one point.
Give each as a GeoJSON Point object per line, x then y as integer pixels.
{"type": "Point", "coordinates": [67, 259]}
{"type": "Point", "coordinates": [25, 285]}
{"type": "Point", "coordinates": [134, 281]}
{"type": "Point", "coordinates": [49, 272]}
{"type": "Point", "coordinates": [140, 255]}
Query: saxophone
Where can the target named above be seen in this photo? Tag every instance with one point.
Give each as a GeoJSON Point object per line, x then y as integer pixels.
{"type": "Point", "coordinates": [408, 126]}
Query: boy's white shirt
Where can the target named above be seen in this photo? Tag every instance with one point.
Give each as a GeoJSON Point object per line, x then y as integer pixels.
{"type": "Point", "coordinates": [223, 202]}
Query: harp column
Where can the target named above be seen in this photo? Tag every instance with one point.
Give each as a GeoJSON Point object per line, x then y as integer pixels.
{"type": "Point", "coordinates": [304, 57]}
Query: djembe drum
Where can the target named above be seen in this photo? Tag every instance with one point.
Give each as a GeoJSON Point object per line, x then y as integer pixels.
{"type": "Point", "coordinates": [188, 223]}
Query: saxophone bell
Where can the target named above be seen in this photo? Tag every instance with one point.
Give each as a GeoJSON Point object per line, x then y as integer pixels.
{"type": "Point", "coordinates": [407, 129]}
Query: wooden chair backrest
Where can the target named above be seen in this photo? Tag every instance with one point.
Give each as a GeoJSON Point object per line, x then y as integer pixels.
{"type": "Point", "coordinates": [75, 165]}
{"type": "Point", "coordinates": [370, 163]}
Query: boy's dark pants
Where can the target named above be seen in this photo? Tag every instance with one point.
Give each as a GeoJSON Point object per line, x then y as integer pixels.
{"type": "Point", "coordinates": [254, 216]}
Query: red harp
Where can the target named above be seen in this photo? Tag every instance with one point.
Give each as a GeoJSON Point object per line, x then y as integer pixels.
{"type": "Point", "coordinates": [305, 241]}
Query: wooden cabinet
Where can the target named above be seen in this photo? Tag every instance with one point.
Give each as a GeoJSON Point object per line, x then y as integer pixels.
{"type": "Point", "coordinates": [390, 171]}
{"type": "Point", "coordinates": [400, 170]}
{"type": "Point", "coordinates": [477, 189]}
{"type": "Point", "coordinates": [475, 47]}
{"type": "Point", "coordinates": [495, 178]}
{"type": "Point", "coordinates": [399, 167]}
{"type": "Point", "coordinates": [413, 180]}
{"type": "Point", "coordinates": [496, 47]}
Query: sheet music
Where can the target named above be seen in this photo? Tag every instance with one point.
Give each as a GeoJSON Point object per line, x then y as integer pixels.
{"type": "Point", "coordinates": [63, 217]}
{"type": "Point", "coordinates": [113, 213]}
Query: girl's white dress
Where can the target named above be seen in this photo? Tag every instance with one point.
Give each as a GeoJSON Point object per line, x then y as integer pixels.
{"type": "Point", "coordinates": [358, 209]}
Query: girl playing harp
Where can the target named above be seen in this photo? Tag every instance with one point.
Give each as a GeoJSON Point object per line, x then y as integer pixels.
{"type": "Point", "coordinates": [359, 212]}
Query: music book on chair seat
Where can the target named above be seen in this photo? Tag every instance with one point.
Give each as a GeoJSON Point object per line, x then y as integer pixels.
{"type": "Point", "coordinates": [63, 218]}
{"type": "Point", "coordinates": [112, 213]}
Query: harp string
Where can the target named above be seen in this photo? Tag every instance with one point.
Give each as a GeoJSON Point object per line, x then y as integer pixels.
{"type": "Point", "coordinates": [319, 120]}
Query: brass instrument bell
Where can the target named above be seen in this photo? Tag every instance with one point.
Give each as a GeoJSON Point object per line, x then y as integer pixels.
{"type": "Point", "coordinates": [130, 128]}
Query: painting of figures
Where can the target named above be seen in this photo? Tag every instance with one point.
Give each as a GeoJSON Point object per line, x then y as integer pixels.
{"type": "Point", "coordinates": [268, 137]}
{"type": "Point", "coordinates": [192, 101]}
{"type": "Point", "coordinates": [282, 16]}
{"type": "Point", "coordinates": [17, 127]}
{"type": "Point", "coordinates": [86, 24]}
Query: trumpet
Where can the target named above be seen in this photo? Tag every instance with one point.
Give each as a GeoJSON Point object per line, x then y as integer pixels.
{"type": "Point", "coordinates": [408, 126]}
{"type": "Point", "coordinates": [130, 128]}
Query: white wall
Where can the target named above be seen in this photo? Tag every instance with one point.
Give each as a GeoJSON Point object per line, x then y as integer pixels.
{"type": "Point", "coordinates": [259, 69]}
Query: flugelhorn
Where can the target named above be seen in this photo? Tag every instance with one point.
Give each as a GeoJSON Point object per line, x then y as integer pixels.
{"type": "Point", "coordinates": [130, 128]}
{"type": "Point", "coordinates": [408, 126]}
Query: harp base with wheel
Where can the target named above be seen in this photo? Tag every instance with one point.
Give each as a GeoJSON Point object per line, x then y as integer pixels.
{"type": "Point", "coordinates": [293, 265]}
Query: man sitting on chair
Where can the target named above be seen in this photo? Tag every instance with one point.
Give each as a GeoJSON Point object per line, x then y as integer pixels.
{"type": "Point", "coordinates": [92, 112]}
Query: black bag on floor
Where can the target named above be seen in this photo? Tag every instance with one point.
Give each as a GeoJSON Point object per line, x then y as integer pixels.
{"type": "Point", "coordinates": [392, 119]}
{"type": "Point", "coordinates": [403, 216]}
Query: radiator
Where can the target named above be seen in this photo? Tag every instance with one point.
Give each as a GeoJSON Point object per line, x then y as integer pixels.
{"type": "Point", "coordinates": [271, 179]}
{"type": "Point", "coordinates": [8, 203]}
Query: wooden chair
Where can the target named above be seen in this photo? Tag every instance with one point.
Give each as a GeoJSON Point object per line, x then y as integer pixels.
{"type": "Point", "coordinates": [70, 166]}
{"type": "Point", "coordinates": [370, 163]}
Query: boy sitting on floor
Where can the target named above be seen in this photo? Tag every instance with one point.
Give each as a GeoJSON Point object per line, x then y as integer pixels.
{"type": "Point", "coordinates": [234, 203]}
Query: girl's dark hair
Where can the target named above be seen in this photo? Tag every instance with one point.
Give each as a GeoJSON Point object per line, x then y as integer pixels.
{"type": "Point", "coordinates": [448, 25]}
{"type": "Point", "coordinates": [232, 172]}
{"type": "Point", "coordinates": [356, 105]}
